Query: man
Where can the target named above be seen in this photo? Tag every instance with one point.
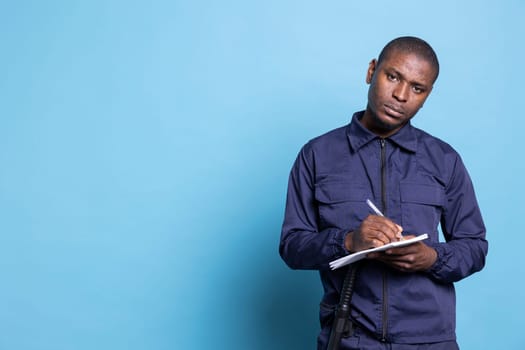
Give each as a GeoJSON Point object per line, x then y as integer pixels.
{"type": "Point", "coordinates": [403, 298]}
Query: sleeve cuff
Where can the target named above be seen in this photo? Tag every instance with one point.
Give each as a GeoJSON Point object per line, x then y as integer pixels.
{"type": "Point", "coordinates": [339, 243]}
{"type": "Point", "coordinates": [440, 259]}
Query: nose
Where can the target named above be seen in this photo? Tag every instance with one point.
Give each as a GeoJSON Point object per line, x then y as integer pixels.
{"type": "Point", "coordinates": [400, 92]}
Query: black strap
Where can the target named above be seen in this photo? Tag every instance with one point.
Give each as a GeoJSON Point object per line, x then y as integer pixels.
{"type": "Point", "coordinates": [342, 326]}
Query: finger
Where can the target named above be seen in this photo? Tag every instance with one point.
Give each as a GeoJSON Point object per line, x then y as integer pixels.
{"type": "Point", "coordinates": [369, 233]}
{"type": "Point", "coordinates": [389, 231]}
{"type": "Point", "coordinates": [382, 237]}
{"type": "Point", "coordinates": [379, 242]}
{"type": "Point", "coordinates": [388, 225]}
{"type": "Point", "coordinates": [397, 262]}
{"type": "Point", "coordinates": [372, 256]}
{"type": "Point", "coordinates": [399, 234]}
{"type": "Point", "coordinates": [414, 249]}
{"type": "Point", "coordinates": [391, 256]}
{"type": "Point", "coordinates": [406, 263]}
{"type": "Point", "coordinates": [373, 243]}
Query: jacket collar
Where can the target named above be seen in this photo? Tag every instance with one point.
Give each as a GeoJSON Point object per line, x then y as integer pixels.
{"type": "Point", "coordinates": [358, 135]}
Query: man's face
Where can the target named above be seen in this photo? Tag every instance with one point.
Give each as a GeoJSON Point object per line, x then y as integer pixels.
{"type": "Point", "coordinates": [399, 86]}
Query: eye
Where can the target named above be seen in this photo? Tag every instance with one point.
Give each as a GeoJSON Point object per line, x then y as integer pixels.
{"type": "Point", "coordinates": [418, 89]}
{"type": "Point", "coordinates": [391, 77]}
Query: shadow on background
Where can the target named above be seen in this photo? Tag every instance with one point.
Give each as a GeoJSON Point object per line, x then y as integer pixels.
{"type": "Point", "coordinates": [289, 309]}
{"type": "Point", "coordinates": [278, 307]}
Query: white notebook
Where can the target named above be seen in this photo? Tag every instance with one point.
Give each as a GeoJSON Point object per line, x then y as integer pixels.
{"type": "Point", "coordinates": [345, 260]}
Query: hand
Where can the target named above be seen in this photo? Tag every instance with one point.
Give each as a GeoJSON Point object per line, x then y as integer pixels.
{"type": "Point", "coordinates": [410, 258]}
{"type": "Point", "coordinates": [374, 231]}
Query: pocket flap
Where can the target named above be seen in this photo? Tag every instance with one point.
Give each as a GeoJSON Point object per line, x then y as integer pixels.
{"type": "Point", "coordinates": [336, 192]}
{"type": "Point", "coordinates": [422, 194]}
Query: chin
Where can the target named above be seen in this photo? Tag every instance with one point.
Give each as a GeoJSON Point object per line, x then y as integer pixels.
{"type": "Point", "coordinates": [387, 124]}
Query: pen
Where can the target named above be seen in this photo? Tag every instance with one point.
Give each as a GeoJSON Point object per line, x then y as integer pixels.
{"type": "Point", "coordinates": [373, 207]}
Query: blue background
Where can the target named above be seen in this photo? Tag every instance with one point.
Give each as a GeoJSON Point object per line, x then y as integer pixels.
{"type": "Point", "coordinates": [145, 148]}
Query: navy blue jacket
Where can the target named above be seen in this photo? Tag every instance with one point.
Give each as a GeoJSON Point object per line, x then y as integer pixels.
{"type": "Point", "coordinates": [425, 184]}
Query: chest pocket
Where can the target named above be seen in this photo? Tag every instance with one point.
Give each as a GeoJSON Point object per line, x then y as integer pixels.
{"type": "Point", "coordinates": [341, 204]}
{"type": "Point", "coordinates": [421, 207]}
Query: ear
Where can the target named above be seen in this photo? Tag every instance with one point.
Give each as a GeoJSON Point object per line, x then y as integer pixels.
{"type": "Point", "coordinates": [371, 70]}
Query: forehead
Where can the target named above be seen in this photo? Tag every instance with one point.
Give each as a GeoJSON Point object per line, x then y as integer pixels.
{"type": "Point", "coordinates": [412, 66]}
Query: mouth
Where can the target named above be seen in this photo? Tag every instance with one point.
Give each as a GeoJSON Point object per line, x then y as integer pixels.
{"type": "Point", "coordinates": [393, 111]}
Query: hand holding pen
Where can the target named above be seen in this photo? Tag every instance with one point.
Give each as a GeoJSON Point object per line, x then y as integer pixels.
{"type": "Point", "coordinates": [379, 213]}
{"type": "Point", "coordinates": [374, 231]}
{"type": "Point", "coordinates": [377, 230]}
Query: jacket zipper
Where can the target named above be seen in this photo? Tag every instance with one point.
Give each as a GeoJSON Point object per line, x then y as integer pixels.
{"type": "Point", "coordinates": [383, 175]}
{"type": "Point", "coordinates": [383, 204]}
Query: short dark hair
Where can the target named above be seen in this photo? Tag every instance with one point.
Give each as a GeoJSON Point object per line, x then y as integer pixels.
{"type": "Point", "coordinates": [411, 44]}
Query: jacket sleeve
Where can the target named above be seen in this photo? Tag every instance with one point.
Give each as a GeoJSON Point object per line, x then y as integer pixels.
{"type": "Point", "coordinates": [466, 247]}
{"type": "Point", "coordinates": [302, 244]}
